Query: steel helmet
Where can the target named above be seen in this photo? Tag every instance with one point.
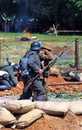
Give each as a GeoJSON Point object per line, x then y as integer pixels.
{"type": "Point", "coordinates": [16, 66]}
{"type": "Point", "coordinates": [41, 43]}
{"type": "Point", "coordinates": [35, 46]}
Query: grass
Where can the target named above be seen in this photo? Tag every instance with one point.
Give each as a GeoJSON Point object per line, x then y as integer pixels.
{"type": "Point", "coordinates": [10, 43]}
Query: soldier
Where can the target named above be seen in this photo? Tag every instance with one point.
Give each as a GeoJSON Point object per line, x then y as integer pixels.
{"type": "Point", "coordinates": [34, 64]}
{"type": "Point", "coordinates": [45, 53]}
{"type": "Point", "coordinates": [46, 56]}
{"type": "Point", "coordinates": [9, 80]}
{"type": "Point", "coordinates": [4, 80]}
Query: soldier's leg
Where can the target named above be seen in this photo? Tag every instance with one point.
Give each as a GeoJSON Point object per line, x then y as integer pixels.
{"type": "Point", "coordinates": [25, 94]}
{"type": "Point", "coordinates": [6, 85]}
{"type": "Point", "coordinates": [44, 85]}
{"type": "Point", "coordinates": [39, 90]}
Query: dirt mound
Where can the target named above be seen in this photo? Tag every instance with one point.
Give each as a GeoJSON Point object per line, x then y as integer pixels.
{"type": "Point", "coordinates": [57, 50]}
{"type": "Point", "coordinates": [12, 91]}
{"type": "Point", "coordinates": [68, 122]}
{"type": "Point", "coordinates": [51, 88]}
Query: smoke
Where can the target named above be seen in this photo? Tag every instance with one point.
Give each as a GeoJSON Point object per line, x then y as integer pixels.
{"type": "Point", "coordinates": [24, 18]}
{"type": "Point", "coordinates": [24, 21]}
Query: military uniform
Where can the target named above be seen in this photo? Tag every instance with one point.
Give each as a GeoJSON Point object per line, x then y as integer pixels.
{"type": "Point", "coordinates": [46, 56]}
{"type": "Point", "coordinates": [4, 80]}
{"type": "Point", "coordinates": [34, 65]}
{"type": "Point", "coordinates": [9, 80]}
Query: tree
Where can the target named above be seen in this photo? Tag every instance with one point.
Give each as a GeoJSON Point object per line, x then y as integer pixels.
{"type": "Point", "coordinates": [65, 13]}
{"type": "Point", "coordinates": [8, 11]}
{"type": "Point", "coordinates": [76, 13]}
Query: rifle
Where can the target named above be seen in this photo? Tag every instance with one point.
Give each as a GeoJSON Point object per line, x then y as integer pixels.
{"type": "Point", "coordinates": [51, 63]}
{"type": "Point", "coordinates": [7, 59]}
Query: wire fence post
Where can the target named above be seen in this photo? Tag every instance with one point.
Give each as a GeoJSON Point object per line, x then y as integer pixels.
{"type": "Point", "coordinates": [77, 63]}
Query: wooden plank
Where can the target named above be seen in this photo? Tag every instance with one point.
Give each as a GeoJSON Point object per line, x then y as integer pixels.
{"type": "Point", "coordinates": [65, 83]}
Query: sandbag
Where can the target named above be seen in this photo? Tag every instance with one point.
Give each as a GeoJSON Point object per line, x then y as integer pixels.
{"type": "Point", "coordinates": [52, 107]}
{"type": "Point", "coordinates": [6, 117]}
{"type": "Point", "coordinates": [54, 71]}
{"type": "Point", "coordinates": [76, 107]}
{"type": "Point", "coordinates": [18, 106]}
{"type": "Point", "coordinates": [28, 118]}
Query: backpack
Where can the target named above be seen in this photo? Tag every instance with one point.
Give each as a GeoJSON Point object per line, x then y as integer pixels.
{"type": "Point", "coordinates": [24, 67]}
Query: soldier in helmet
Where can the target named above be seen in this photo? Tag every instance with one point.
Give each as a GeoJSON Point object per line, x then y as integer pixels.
{"type": "Point", "coordinates": [9, 79]}
{"type": "Point", "coordinates": [45, 53]}
{"type": "Point", "coordinates": [34, 65]}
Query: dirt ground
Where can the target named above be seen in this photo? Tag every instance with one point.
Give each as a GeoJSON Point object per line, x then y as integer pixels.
{"type": "Point", "coordinates": [69, 121]}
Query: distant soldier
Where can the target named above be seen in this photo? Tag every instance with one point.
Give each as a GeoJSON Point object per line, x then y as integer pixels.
{"type": "Point", "coordinates": [71, 76]}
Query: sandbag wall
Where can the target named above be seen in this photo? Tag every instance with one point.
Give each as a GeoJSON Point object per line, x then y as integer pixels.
{"type": "Point", "coordinates": [18, 113]}
{"type": "Point", "coordinates": [22, 113]}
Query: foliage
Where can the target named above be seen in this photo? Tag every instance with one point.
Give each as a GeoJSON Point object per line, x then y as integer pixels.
{"type": "Point", "coordinates": [8, 7]}
{"type": "Point", "coordinates": [63, 95]}
{"type": "Point", "coordinates": [76, 6]}
{"type": "Point", "coordinates": [66, 13]}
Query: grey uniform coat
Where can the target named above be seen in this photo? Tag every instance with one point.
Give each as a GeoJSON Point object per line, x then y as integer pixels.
{"type": "Point", "coordinates": [33, 62]}
{"type": "Point", "coordinates": [34, 65]}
